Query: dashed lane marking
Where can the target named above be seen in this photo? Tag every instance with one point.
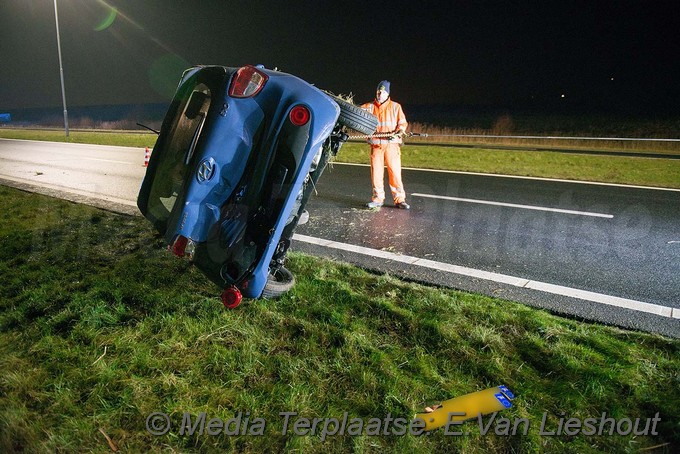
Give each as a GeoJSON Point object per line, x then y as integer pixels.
{"type": "Point", "coordinates": [514, 205]}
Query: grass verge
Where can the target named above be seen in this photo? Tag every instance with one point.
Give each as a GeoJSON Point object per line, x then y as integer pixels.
{"type": "Point", "coordinates": [655, 172]}
{"type": "Point", "coordinates": [100, 327]}
{"type": "Point", "coordinates": [118, 138]}
{"type": "Point", "coordinates": [581, 167]}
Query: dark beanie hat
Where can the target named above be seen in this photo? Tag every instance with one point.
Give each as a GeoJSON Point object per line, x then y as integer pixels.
{"type": "Point", "coordinates": [384, 85]}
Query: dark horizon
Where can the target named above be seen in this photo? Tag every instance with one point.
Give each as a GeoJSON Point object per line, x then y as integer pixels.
{"type": "Point", "coordinates": [575, 56]}
{"type": "Point", "coordinates": [489, 119]}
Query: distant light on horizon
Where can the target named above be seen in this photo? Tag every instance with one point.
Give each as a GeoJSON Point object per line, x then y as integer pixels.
{"type": "Point", "coordinates": [563, 96]}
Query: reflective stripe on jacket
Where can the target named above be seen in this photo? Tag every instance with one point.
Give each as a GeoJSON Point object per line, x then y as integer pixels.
{"type": "Point", "coordinates": [390, 118]}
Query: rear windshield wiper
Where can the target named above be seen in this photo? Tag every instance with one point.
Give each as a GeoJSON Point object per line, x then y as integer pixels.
{"type": "Point", "coordinates": [150, 129]}
{"type": "Point", "coordinates": [194, 140]}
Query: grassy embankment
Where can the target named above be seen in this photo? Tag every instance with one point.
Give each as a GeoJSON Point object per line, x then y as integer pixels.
{"type": "Point", "coordinates": [609, 169]}
{"type": "Point", "coordinates": [100, 327]}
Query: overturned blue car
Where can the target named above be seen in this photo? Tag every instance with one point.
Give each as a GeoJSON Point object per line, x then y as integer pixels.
{"type": "Point", "coordinates": [237, 158]}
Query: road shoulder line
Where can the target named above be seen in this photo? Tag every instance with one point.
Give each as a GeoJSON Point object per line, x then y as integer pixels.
{"type": "Point", "coordinates": [500, 175]}
{"type": "Point", "coordinates": [585, 295]}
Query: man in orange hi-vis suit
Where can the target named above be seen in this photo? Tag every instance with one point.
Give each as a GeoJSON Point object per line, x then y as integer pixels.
{"type": "Point", "coordinates": [387, 150]}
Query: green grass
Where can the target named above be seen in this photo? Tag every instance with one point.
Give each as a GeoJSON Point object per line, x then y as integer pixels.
{"type": "Point", "coordinates": [572, 137]}
{"type": "Point", "coordinates": [655, 172]}
{"type": "Point", "coordinates": [118, 138]}
{"type": "Point", "coordinates": [609, 169]}
{"type": "Point", "coordinates": [100, 326]}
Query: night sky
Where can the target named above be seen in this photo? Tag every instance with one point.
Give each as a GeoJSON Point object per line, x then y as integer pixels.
{"type": "Point", "coordinates": [589, 54]}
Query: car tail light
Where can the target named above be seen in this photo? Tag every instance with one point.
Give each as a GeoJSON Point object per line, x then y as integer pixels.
{"type": "Point", "coordinates": [231, 297]}
{"type": "Point", "coordinates": [299, 115]}
{"type": "Point", "coordinates": [179, 245]}
{"type": "Point", "coordinates": [247, 82]}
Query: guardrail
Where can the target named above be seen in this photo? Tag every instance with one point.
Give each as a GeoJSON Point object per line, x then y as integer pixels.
{"type": "Point", "coordinates": [513, 143]}
{"type": "Point", "coordinates": [613, 139]}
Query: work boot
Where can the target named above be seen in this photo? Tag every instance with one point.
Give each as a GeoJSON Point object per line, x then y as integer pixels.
{"type": "Point", "coordinates": [403, 205]}
{"type": "Point", "coordinates": [374, 204]}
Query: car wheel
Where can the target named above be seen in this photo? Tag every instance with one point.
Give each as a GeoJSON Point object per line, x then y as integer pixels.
{"type": "Point", "coordinates": [278, 283]}
{"type": "Point", "coordinates": [355, 117]}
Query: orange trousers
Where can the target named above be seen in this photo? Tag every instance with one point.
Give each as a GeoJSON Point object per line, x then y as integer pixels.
{"type": "Point", "coordinates": [390, 154]}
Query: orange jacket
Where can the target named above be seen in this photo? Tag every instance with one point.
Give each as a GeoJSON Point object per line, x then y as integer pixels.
{"type": "Point", "coordinates": [390, 119]}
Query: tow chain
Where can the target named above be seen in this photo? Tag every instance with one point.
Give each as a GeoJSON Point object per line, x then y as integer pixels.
{"type": "Point", "coordinates": [386, 135]}
{"type": "Point", "coordinates": [383, 135]}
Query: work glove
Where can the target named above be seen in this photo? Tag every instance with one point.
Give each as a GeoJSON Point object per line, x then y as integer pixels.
{"type": "Point", "coordinates": [397, 134]}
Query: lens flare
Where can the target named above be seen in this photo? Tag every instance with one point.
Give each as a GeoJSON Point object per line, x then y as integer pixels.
{"type": "Point", "coordinates": [108, 20]}
{"type": "Point", "coordinates": [165, 73]}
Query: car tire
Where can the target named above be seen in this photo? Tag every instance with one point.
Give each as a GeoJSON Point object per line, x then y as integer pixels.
{"type": "Point", "coordinates": [355, 117]}
{"type": "Point", "coordinates": [278, 283]}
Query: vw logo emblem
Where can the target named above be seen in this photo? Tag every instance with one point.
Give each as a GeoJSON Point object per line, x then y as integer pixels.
{"type": "Point", "coordinates": [206, 170]}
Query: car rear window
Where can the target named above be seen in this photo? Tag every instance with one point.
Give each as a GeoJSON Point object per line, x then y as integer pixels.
{"type": "Point", "coordinates": [177, 150]}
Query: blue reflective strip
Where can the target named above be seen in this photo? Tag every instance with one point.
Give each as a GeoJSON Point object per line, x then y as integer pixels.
{"type": "Point", "coordinates": [504, 389]}
{"type": "Point", "coordinates": [505, 402]}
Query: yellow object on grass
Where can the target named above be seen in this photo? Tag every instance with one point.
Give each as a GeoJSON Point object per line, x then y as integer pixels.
{"type": "Point", "coordinates": [468, 406]}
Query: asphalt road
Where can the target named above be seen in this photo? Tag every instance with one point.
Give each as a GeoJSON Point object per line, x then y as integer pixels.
{"type": "Point", "coordinates": [111, 173]}
{"type": "Point", "coordinates": [587, 248]}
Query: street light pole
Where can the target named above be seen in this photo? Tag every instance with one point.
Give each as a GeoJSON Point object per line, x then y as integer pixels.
{"type": "Point", "coordinates": [61, 70]}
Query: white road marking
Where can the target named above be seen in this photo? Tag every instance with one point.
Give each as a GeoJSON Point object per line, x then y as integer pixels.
{"type": "Point", "coordinates": [108, 160]}
{"type": "Point", "coordinates": [513, 205]}
{"type": "Point", "coordinates": [459, 172]}
{"type": "Point", "coordinates": [598, 298]}
{"type": "Point", "coordinates": [60, 146]}
{"type": "Point", "coordinates": [80, 192]}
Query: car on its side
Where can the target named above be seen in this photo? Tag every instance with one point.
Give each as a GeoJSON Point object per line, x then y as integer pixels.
{"type": "Point", "coordinates": [237, 157]}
